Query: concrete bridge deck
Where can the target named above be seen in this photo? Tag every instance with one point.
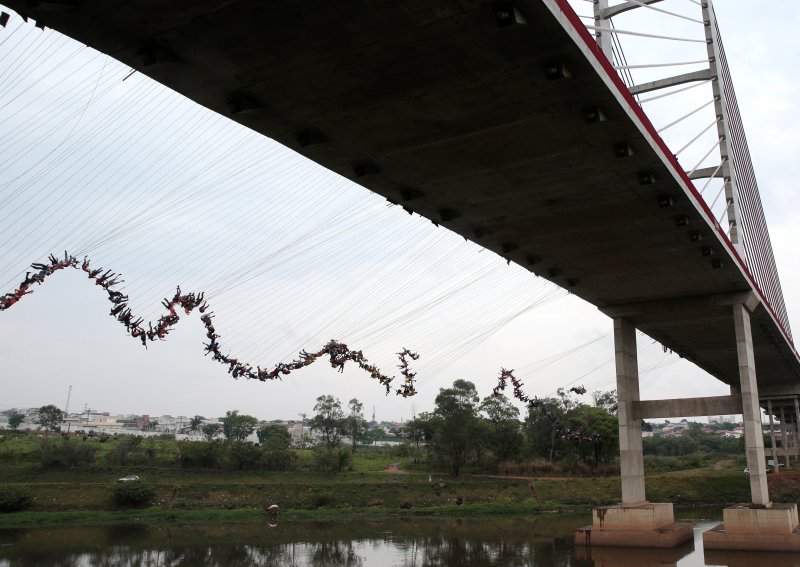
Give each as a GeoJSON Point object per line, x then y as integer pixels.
{"type": "Point", "coordinates": [483, 118]}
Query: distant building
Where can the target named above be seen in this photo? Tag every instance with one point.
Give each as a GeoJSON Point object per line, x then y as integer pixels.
{"type": "Point", "coordinates": [720, 419]}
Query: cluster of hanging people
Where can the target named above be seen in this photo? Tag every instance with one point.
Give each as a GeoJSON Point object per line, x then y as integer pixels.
{"type": "Point", "coordinates": [534, 403]}
{"type": "Point", "coordinates": [338, 353]}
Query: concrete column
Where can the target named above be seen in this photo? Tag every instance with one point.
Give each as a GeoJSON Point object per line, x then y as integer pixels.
{"type": "Point", "coordinates": [772, 436]}
{"type": "Point", "coordinates": [785, 441]}
{"type": "Point", "coordinates": [631, 460]}
{"type": "Point", "coordinates": [604, 39]}
{"type": "Point", "coordinates": [797, 425]}
{"type": "Point", "coordinates": [751, 412]}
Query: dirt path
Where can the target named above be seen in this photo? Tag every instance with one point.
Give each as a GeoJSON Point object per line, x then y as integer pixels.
{"type": "Point", "coordinates": [393, 468]}
{"type": "Point", "coordinates": [719, 465]}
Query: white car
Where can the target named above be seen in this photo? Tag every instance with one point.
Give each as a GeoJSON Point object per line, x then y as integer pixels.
{"type": "Point", "coordinates": [129, 478]}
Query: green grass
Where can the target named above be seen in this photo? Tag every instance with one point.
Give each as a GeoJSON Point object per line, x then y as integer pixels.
{"type": "Point", "coordinates": [306, 494]}
{"type": "Point", "coordinates": [84, 495]}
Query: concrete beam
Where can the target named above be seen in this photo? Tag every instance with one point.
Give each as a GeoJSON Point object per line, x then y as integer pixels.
{"type": "Point", "coordinates": [620, 8]}
{"type": "Point", "coordinates": [702, 75]}
{"type": "Point", "coordinates": [706, 172]}
{"type": "Point", "coordinates": [785, 390]}
{"type": "Point", "coordinates": [687, 407]}
{"type": "Point", "coordinates": [677, 305]}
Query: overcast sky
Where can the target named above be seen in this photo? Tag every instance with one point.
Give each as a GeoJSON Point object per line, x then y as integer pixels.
{"type": "Point", "coordinates": [167, 193]}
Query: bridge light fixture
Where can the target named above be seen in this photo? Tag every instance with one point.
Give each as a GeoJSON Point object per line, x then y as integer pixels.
{"type": "Point", "coordinates": [681, 220]}
{"type": "Point", "coordinates": [695, 236]}
{"type": "Point", "coordinates": [556, 70]}
{"type": "Point", "coordinates": [572, 282]}
{"type": "Point", "coordinates": [716, 262]}
{"type": "Point", "coordinates": [411, 193]}
{"type": "Point", "coordinates": [708, 251]}
{"type": "Point", "coordinates": [647, 179]}
{"type": "Point", "coordinates": [623, 150]}
{"type": "Point", "coordinates": [533, 259]}
{"type": "Point", "coordinates": [594, 115]}
{"type": "Point", "coordinates": [553, 272]}
{"type": "Point", "coordinates": [508, 247]}
{"type": "Point", "coordinates": [665, 201]}
{"type": "Point", "coordinates": [506, 14]}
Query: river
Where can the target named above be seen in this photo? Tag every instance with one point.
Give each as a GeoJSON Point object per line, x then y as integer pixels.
{"type": "Point", "coordinates": [543, 540]}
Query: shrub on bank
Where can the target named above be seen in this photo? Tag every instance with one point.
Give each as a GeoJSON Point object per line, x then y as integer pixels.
{"type": "Point", "coordinates": [133, 494]}
{"type": "Point", "coordinates": [331, 460]}
{"type": "Point", "coordinates": [64, 452]}
{"type": "Point", "coordinates": [200, 454]}
{"type": "Point", "coordinates": [14, 499]}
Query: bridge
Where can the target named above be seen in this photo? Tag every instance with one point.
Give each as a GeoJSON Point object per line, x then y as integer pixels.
{"type": "Point", "coordinates": [508, 123]}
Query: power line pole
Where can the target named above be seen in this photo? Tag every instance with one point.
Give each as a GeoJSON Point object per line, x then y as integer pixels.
{"type": "Point", "coordinates": [66, 406]}
{"type": "Point", "coordinates": [302, 426]}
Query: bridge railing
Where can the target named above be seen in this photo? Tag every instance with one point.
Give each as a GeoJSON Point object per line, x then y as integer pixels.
{"type": "Point", "coordinates": [752, 224]}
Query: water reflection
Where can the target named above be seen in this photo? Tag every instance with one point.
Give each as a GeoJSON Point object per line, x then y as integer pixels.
{"type": "Point", "coordinates": [633, 556]}
{"type": "Point", "coordinates": [542, 541]}
{"type": "Point", "coordinates": [751, 558]}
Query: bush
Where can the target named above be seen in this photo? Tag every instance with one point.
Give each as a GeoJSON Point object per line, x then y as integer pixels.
{"type": "Point", "coordinates": [133, 494]}
{"type": "Point", "coordinates": [243, 455]}
{"type": "Point", "coordinates": [199, 454]}
{"type": "Point", "coordinates": [331, 460]}
{"type": "Point", "coordinates": [322, 500]}
{"type": "Point", "coordinates": [126, 451]}
{"type": "Point", "coordinates": [64, 453]}
{"type": "Point", "coordinates": [14, 499]}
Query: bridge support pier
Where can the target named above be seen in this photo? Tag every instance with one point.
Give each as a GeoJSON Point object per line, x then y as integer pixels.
{"type": "Point", "coordinates": [635, 522]}
{"type": "Point", "coordinates": [759, 525]}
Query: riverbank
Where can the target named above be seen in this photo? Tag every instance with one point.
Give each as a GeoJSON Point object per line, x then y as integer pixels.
{"type": "Point", "coordinates": [85, 496]}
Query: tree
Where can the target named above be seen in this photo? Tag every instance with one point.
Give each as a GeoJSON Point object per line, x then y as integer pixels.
{"type": "Point", "coordinates": [243, 454]}
{"type": "Point", "coordinates": [355, 425]}
{"type": "Point", "coordinates": [237, 427]}
{"type": "Point", "coordinates": [50, 417]}
{"type": "Point", "coordinates": [505, 438]}
{"type": "Point", "coordinates": [599, 423]}
{"type": "Point", "coordinates": [196, 422]}
{"type": "Point", "coordinates": [455, 417]}
{"type": "Point", "coordinates": [606, 400]}
{"type": "Point", "coordinates": [15, 420]}
{"type": "Point", "coordinates": [211, 430]}
{"type": "Point", "coordinates": [276, 447]}
{"type": "Point", "coordinates": [542, 426]}
{"type": "Point", "coordinates": [328, 420]}
{"type": "Point", "coordinates": [418, 430]}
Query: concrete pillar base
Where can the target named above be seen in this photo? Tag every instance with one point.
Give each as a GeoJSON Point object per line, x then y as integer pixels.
{"type": "Point", "coordinates": [649, 524]}
{"type": "Point", "coordinates": [758, 529]}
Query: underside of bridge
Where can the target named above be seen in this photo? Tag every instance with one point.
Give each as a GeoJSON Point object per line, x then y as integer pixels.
{"type": "Point", "coordinates": [485, 117]}
{"type": "Point", "coordinates": [503, 122]}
